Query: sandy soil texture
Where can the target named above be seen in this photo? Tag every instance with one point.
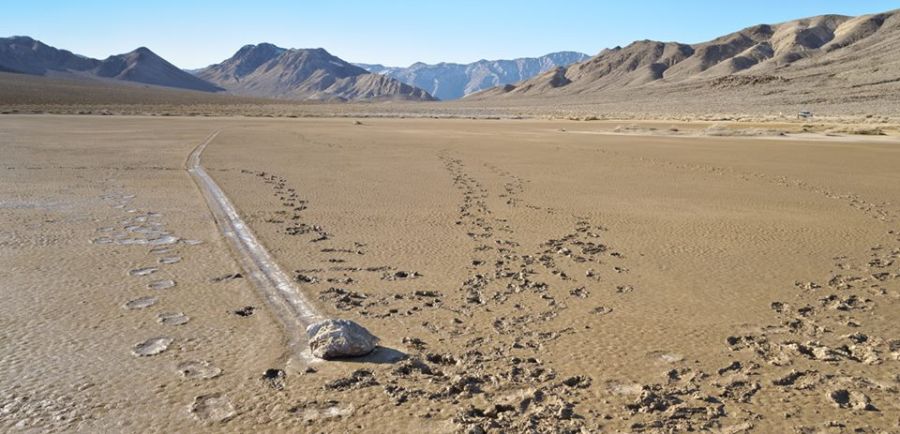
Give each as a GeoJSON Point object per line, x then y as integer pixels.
{"type": "Point", "coordinates": [524, 275]}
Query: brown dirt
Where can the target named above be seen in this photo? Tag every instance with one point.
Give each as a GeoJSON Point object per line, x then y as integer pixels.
{"type": "Point", "coordinates": [547, 275]}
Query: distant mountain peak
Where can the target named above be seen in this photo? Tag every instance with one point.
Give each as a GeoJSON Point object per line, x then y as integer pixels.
{"type": "Point", "coordinates": [144, 66]}
{"type": "Point", "coordinates": [302, 73]}
{"type": "Point", "coordinates": [22, 38]}
{"type": "Point", "coordinates": [449, 81]}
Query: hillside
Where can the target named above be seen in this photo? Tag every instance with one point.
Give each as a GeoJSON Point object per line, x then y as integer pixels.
{"type": "Point", "coordinates": [824, 59]}
{"type": "Point", "coordinates": [265, 70]}
{"type": "Point", "coordinates": [144, 66]}
{"type": "Point", "coordinates": [29, 56]}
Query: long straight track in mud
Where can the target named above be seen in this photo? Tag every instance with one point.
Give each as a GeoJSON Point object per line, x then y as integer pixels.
{"type": "Point", "coordinates": [289, 304]}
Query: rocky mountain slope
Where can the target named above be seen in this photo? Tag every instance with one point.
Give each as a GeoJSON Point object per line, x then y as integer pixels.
{"type": "Point", "coordinates": [28, 56]}
{"type": "Point", "coordinates": [448, 81]}
{"type": "Point", "coordinates": [841, 56]}
{"type": "Point", "coordinates": [144, 66]}
{"type": "Point", "coordinates": [265, 70]}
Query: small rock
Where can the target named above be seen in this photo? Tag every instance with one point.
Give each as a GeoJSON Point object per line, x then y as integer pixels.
{"type": "Point", "coordinates": [335, 338]}
{"type": "Point", "coordinates": [851, 399]}
{"type": "Point", "coordinates": [734, 366]}
{"type": "Point", "coordinates": [244, 311]}
{"type": "Point", "coordinates": [274, 378]}
{"type": "Point", "coordinates": [359, 379]}
{"type": "Point", "coordinates": [414, 343]}
{"type": "Point", "coordinates": [577, 381]}
{"type": "Point", "coordinates": [303, 278]}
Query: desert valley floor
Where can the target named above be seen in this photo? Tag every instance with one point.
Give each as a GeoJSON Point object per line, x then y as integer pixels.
{"type": "Point", "coordinates": [522, 274]}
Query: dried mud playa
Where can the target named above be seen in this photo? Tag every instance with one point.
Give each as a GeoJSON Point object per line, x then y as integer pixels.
{"type": "Point", "coordinates": [523, 276]}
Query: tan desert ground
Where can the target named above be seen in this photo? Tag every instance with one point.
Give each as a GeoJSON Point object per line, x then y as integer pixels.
{"type": "Point", "coordinates": [523, 275]}
{"type": "Point", "coordinates": [662, 237]}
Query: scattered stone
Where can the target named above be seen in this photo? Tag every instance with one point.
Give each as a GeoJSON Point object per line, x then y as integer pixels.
{"type": "Point", "coordinates": [652, 399]}
{"type": "Point", "coordinates": [734, 366]}
{"type": "Point", "coordinates": [302, 278]}
{"type": "Point", "coordinates": [741, 390]}
{"type": "Point", "coordinates": [343, 299]}
{"type": "Point", "coordinates": [244, 311]}
{"type": "Point", "coordinates": [580, 292]}
{"type": "Point", "coordinates": [857, 337]}
{"type": "Point", "coordinates": [441, 359]}
{"type": "Point", "coordinates": [578, 381]}
{"type": "Point", "coordinates": [401, 275]}
{"type": "Point", "coordinates": [415, 343]}
{"type": "Point", "coordinates": [335, 338]}
{"type": "Point", "coordinates": [624, 289]}
{"type": "Point", "coordinates": [274, 378]}
{"type": "Point", "coordinates": [412, 365]}
{"type": "Point", "coordinates": [358, 379]}
{"type": "Point", "coordinates": [842, 398]}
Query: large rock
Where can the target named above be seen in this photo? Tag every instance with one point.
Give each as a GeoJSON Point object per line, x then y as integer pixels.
{"type": "Point", "coordinates": [335, 338]}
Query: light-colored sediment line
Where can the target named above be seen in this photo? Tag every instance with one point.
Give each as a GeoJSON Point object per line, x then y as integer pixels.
{"type": "Point", "coordinates": [292, 308]}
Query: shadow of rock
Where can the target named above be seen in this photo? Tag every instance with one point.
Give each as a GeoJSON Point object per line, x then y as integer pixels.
{"type": "Point", "coordinates": [381, 355]}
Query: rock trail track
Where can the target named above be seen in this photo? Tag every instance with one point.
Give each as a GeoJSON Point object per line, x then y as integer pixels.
{"type": "Point", "coordinates": [292, 308]}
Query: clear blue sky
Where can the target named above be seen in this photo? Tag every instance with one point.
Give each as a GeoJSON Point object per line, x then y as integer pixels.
{"type": "Point", "coordinates": [193, 34]}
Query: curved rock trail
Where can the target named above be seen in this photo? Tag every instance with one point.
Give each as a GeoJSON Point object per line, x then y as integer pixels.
{"type": "Point", "coordinates": [292, 308]}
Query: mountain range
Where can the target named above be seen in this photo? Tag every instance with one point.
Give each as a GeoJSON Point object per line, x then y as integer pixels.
{"type": "Point", "coordinates": [264, 70]}
{"type": "Point", "coordinates": [829, 59]}
{"type": "Point", "coordinates": [448, 81]}
{"type": "Point", "coordinates": [829, 51]}
{"type": "Point", "coordinates": [25, 55]}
